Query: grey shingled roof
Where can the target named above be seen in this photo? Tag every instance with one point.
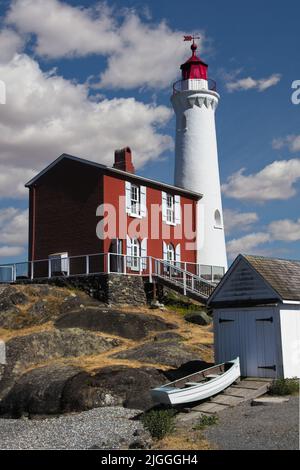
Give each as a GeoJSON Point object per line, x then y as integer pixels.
{"type": "Point", "coordinates": [282, 275]}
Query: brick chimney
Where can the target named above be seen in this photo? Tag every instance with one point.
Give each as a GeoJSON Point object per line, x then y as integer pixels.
{"type": "Point", "coordinates": [123, 160]}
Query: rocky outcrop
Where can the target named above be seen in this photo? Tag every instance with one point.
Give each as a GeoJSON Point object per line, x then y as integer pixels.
{"type": "Point", "coordinates": [115, 385]}
{"type": "Point", "coordinates": [58, 389]}
{"type": "Point", "coordinates": [198, 318]}
{"type": "Point", "coordinates": [25, 351]}
{"type": "Point", "coordinates": [171, 353]}
{"type": "Point", "coordinates": [108, 288]}
{"type": "Point", "coordinates": [127, 325]}
{"type": "Point", "coordinates": [39, 391]}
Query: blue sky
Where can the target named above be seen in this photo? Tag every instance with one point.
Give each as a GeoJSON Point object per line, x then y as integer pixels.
{"type": "Point", "coordinates": [88, 80]}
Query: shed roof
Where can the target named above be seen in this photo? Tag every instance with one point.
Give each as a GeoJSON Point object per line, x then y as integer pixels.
{"type": "Point", "coordinates": [282, 275]}
{"type": "Point", "coordinates": [253, 280]}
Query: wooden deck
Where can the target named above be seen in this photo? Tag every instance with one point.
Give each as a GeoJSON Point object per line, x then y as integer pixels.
{"type": "Point", "coordinates": [245, 390]}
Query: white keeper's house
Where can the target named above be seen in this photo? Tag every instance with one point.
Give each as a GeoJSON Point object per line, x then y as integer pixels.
{"type": "Point", "coordinates": [256, 310]}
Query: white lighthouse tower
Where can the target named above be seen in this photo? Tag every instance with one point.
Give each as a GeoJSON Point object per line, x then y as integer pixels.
{"type": "Point", "coordinates": [196, 167]}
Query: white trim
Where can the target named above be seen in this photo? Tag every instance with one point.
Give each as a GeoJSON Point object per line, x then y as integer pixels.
{"type": "Point", "coordinates": [292, 302]}
{"type": "Point", "coordinates": [177, 202]}
{"type": "Point", "coordinates": [143, 201]}
{"type": "Point", "coordinates": [164, 206]}
{"type": "Point", "coordinates": [143, 246]}
{"type": "Point", "coordinates": [128, 196]}
{"type": "Point", "coordinates": [165, 251]}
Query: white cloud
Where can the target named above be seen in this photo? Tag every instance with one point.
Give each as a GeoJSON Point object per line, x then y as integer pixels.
{"type": "Point", "coordinates": [12, 181]}
{"type": "Point", "coordinates": [140, 53]}
{"type": "Point", "coordinates": [238, 220]}
{"type": "Point", "coordinates": [46, 115]}
{"type": "Point", "coordinates": [291, 141]}
{"type": "Point", "coordinates": [250, 83]}
{"type": "Point", "coordinates": [247, 244]}
{"type": "Point", "coordinates": [149, 56]}
{"type": "Point", "coordinates": [7, 251]}
{"type": "Point", "coordinates": [10, 43]}
{"type": "Point", "coordinates": [13, 231]}
{"type": "Point", "coordinates": [63, 30]}
{"type": "Point", "coordinates": [285, 230]}
{"type": "Point", "coordinates": [275, 181]}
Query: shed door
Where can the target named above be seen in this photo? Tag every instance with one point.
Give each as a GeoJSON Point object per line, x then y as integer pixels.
{"type": "Point", "coordinates": [265, 343]}
{"type": "Point", "coordinates": [249, 334]}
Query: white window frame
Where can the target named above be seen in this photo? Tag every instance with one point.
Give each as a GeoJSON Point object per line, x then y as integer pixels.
{"type": "Point", "coordinates": [218, 224]}
{"type": "Point", "coordinates": [135, 200]}
{"type": "Point", "coordinates": [171, 251]}
{"type": "Point", "coordinates": [135, 254]}
{"type": "Point", "coordinates": [170, 209]}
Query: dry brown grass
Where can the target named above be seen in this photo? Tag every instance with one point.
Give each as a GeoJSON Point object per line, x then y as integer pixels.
{"type": "Point", "coordinates": [199, 339]}
{"type": "Point", "coordinates": [6, 335]}
{"type": "Point", "coordinates": [182, 439]}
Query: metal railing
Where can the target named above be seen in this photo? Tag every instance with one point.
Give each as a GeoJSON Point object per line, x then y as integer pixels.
{"type": "Point", "coordinates": [198, 85]}
{"type": "Point", "coordinates": [182, 274]}
{"type": "Point", "coordinates": [188, 281]}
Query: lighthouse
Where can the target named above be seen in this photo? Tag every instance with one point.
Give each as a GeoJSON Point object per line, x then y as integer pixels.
{"type": "Point", "coordinates": [195, 101]}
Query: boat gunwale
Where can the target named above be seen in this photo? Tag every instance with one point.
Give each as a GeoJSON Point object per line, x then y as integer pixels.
{"type": "Point", "coordinates": [176, 390]}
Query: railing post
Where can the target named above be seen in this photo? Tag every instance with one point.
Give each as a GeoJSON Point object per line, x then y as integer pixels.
{"type": "Point", "coordinates": [49, 268]}
{"type": "Point", "coordinates": [150, 268]}
{"type": "Point", "coordinates": [184, 282]}
{"type": "Point", "coordinates": [32, 270]}
{"type": "Point", "coordinates": [125, 264]}
{"type": "Point", "coordinates": [87, 259]}
{"type": "Point", "coordinates": [141, 265]}
{"type": "Point", "coordinates": [108, 263]}
{"type": "Point", "coordinates": [68, 266]}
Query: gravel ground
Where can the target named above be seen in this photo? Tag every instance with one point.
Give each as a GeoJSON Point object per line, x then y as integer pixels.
{"type": "Point", "coordinates": [106, 428]}
{"type": "Point", "coordinates": [246, 427]}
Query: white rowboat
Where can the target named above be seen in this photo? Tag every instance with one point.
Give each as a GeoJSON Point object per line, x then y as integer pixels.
{"type": "Point", "coordinates": [198, 386]}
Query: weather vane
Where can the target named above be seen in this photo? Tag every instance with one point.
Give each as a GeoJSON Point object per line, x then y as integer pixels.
{"type": "Point", "coordinates": [191, 38]}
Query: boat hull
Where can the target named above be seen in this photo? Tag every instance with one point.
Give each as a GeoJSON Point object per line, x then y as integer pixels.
{"type": "Point", "coordinates": [171, 396]}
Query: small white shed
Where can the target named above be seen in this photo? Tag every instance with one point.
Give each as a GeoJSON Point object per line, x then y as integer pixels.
{"type": "Point", "coordinates": [256, 311]}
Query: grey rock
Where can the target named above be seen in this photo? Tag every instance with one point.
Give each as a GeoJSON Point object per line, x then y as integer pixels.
{"type": "Point", "coordinates": [57, 389]}
{"type": "Point", "coordinates": [171, 353]}
{"type": "Point", "coordinates": [128, 325]}
{"type": "Point", "coordinates": [112, 386]}
{"type": "Point", "coordinates": [25, 351]}
{"type": "Point", "coordinates": [198, 318]}
{"type": "Point", "coordinates": [39, 391]}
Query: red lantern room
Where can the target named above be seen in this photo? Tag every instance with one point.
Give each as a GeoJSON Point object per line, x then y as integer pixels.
{"type": "Point", "coordinates": [194, 68]}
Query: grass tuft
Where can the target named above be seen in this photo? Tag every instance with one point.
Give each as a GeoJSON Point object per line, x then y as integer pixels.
{"type": "Point", "coordinates": [205, 421]}
{"type": "Point", "coordinates": [159, 423]}
{"type": "Point", "coordinates": [284, 387]}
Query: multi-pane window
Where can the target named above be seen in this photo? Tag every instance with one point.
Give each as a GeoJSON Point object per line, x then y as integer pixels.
{"type": "Point", "coordinates": [135, 200]}
{"type": "Point", "coordinates": [170, 253]}
{"type": "Point", "coordinates": [170, 209]}
{"type": "Point", "coordinates": [135, 253]}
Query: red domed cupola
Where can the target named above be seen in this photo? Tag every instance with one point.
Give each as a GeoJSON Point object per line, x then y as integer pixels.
{"type": "Point", "coordinates": [194, 68]}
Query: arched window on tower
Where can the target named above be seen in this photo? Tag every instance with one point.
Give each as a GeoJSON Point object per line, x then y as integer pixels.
{"type": "Point", "coordinates": [183, 122]}
{"type": "Point", "coordinates": [218, 219]}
